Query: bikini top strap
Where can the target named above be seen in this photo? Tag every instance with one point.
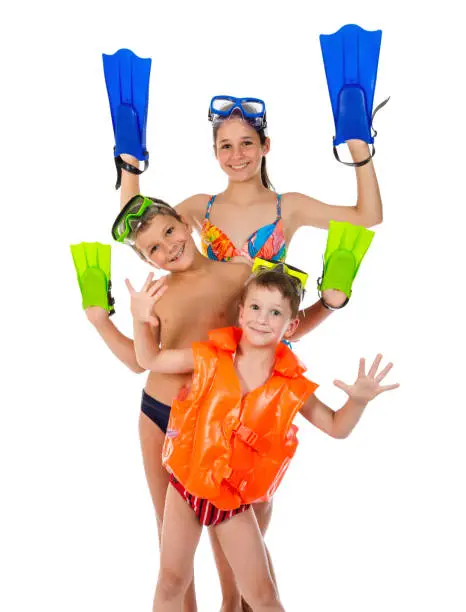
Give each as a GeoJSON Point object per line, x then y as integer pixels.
{"type": "Point", "coordinates": [279, 205]}
{"type": "Point", "coordinates": [209, 206]}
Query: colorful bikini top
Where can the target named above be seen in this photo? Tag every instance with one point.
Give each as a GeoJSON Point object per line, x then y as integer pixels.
{"type": "Point", "coordinates": [227, 447]}
{"type": "Point", "coordinates": [268, 242]}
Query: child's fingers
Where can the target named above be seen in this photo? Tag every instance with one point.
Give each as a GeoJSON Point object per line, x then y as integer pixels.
{"type": "Point", "coordinates": [384, 372]}
{"type": "Point", "coordinates": [362, 368]}
{"type": "Point", "coordinates": [156, 286]}
{"type": "Point", "coordinates": [375, 366]}
{"type": "Point", "coordinates": [341, 385]}
{"type": "Point", "coordinates": [154, 321]}
{"type": "Point", "coordinates": [131, 289]}
{"type": "Point", "coordinates": [389, 387]}
{"type": "Point", "coordinates": [149, 278]}
{"type": "Point", "coordinates": [158, 294]}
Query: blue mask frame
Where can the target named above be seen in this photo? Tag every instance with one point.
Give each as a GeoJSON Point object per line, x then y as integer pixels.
{"type": "Point", "coordinates": [258, 118]}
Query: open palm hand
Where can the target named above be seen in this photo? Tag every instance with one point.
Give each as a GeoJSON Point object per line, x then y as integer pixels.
{"type": "Point", "coordinates": [367, 386]}
{"type": "Point", "coordinates": [143, 302]}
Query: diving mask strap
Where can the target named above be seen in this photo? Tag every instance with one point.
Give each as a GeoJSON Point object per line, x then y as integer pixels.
{"type": "Point", "coordinates": [372, 153]}
{"type": "Point", "coordinates": [120, 165]}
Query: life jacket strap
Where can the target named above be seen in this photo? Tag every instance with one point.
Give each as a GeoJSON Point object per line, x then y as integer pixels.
{"type": "Point", "coordinates": [237, 481]}
{"type": "Point", "coordinates": [252, 439]}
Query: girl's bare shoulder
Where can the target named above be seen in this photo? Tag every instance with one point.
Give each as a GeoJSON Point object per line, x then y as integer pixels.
{"type": "Point", "coordinates": [194, 207]}
{"type": "Point", "coordinates": [237, 270]}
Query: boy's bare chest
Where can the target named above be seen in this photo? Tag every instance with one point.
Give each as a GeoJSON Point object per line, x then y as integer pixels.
{"type": "Point", "coordinates": [188, 311]}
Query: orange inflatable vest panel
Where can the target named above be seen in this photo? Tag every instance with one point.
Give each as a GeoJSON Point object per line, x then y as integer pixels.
{"type": "Point", "coordinates": [228, 449]}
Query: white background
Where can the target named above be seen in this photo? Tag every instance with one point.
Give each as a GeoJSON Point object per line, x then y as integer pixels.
{"type": "Point", "coordinates": [374, 523]}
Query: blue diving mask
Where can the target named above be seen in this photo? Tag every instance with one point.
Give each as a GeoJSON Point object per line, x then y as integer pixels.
{"type": "Point", "coordinates": [251, 109]}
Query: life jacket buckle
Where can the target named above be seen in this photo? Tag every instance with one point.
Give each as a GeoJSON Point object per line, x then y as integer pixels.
{"type": "Point", "coordinates": [248, 436]}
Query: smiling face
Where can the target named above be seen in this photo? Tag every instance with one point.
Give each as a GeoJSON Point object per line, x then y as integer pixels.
{"type": "Point", "coordinates": [239, 150]}
{"type": "Point", "coordinates": [265, 316]}
{"type": "Point", "coordinates": [166, 243]}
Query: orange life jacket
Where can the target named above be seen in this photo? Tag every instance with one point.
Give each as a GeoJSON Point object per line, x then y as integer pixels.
{"type": "Point", "coordinates": [228, 449]}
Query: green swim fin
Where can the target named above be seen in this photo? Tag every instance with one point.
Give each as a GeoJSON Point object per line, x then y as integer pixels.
{"type": "Point", "coordinates": [346, 246]}
{"type": "Point", "coordinates": [92, 263]}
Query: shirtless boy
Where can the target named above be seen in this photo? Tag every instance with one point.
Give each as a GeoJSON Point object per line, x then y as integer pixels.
{"type": "Point", "coordinates": [199, 295]}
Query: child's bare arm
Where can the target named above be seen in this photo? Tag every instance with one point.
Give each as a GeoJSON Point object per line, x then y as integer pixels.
{"type": "Point", "coordinates": [309, 319]}
{"type": "Point", "coordinates": [129, 181]}
{"type": "Point", "coordinates": [151, 357]}
{"type": "Point", "coordinates": [146, 327]}
{"type": "Point", "coordinates": [341, 423]}
{"type": "Point", "coordinates": [336, 424]}
{"type": "Point", "coordinates": [120, 345]}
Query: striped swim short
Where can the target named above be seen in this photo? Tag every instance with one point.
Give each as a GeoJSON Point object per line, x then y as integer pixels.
{"type": "Point", "coordinates": [206, 512]}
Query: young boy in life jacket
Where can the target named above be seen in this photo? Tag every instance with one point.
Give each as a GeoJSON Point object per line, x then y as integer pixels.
{"type": "Point", "coordinates": [232, 435]}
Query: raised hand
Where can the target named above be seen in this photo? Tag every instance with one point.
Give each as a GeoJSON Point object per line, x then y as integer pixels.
{"type": "Point", "coordinates": [367, 386]}
{"type": "Point", "coordinates": [143, 302]}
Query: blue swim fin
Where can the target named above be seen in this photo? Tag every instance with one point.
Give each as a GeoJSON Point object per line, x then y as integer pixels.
{"type": "Point", "coordinates": [127, 79]}
{"type": "Point", "coordinates": [351, 58]}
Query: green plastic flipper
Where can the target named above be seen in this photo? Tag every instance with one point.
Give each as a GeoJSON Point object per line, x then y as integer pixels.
{"type": "Point", "coordinates": [346, 246]}
{"type": "Point", "coordinates": [92, 263]}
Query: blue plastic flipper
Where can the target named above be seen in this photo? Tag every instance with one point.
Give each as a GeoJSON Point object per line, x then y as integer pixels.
{"type": "Point", "coordinates": [351, 58]}
{"type": "Point", "coordinates": [127, 79]}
